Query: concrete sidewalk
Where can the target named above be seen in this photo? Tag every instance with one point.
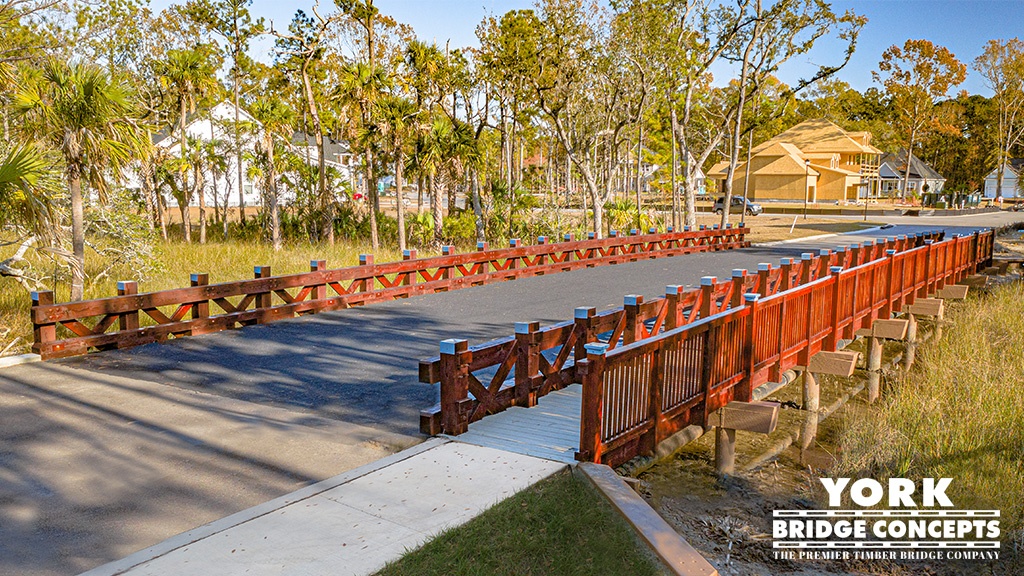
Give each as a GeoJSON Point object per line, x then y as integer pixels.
{"type": "Point", "coordinates": [350, 524]}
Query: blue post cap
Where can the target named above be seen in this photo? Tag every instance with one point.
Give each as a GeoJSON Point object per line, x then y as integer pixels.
{"type": "Point", "coordinates": [363, 258]}
{"type": "Point", "coordinates": [523, 327]}
{"type": "Point", "coordinates": [824, 252]}
{"type": "Point", "coordinates": [835, 269]}
{"type": "Point", "coordinates": [582, 312]}
{"type": "Point", "coordinates": [868, 243]}
{"type": "Point", "coordinates": [652, 230]}
{"type": "Point", "coordinates": [729, 225]}
{"type": "Point", "coordinates": [121, 283]}
{"type": "Point", "coordinates": [703, 227]}
{"type": "Point", "coordinates": [446, 250]}
{"type": "Point", "coordinates": [596, 348]}
{"type": "Point", "coordinates": [567, 236]}
{"type": "Point", "coordinates": [258, 269]}
{"type": "Point", "coordinates": [890, 252]}
{"type": "Point", "coordinates": [670, 229]}
{"type": "Point", "coordinates": [591, 235]}
{"type": "Point", "coordinates": [686, 228]}
{"type": "Point", "coordinates": [513, 242]}
{"type": "Point", "coordinates": [613, 233]}
{"type": "Point", "coordinates": [480, 245]}
{"type": "Point", "coordinates": [714, 226]}
{"type": "Point", "coordinates": [406, 253]}
{"type": "Point", "coordinates": [708, 280]}
{"type": "Point", "coordinates": [786, 261]}
{"type": "Point", "coordinates": [764, 267]}
{"type": "Point", "coordinates": [195, 277]}
{"type": "Point", "coordinates": [751, 297]}
{"type": "Point", "coordinates": [840, 248]}
{"type": "Point", "coordinates": [542, 239]}
{"type": "Point", "coordinates": [448, 346]}
{"type": "Point", "coordinates": [929, 242]}
{"type": "Point", "coordinates": [633, 231]}
{"type": "Point", "coordinates": [632, 299]}
{"type": "Point", "coordinates": [673, 289]}
{"type": "Point", "coordinates": [806, 256]}
{"type": "Point", "coordinates": [739, 272]}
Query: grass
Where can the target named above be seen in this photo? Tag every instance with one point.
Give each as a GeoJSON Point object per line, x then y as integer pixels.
{"type": "Point", "coordinates": [558, 526]}
{"type": "Point", "coordinates": [958, 414]}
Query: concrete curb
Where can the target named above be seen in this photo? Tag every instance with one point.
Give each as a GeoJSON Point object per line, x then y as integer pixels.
{"type": "Point", "coordinates": [8, 361]}
{"type": "Point", "coordinates": [675, 553]}
{"type": "Point", "coordinates": [820, 236]}
{"type": "Point", "coordinates": [205, 531]}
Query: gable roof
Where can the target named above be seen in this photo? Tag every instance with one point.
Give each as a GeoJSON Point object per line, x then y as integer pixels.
{"type": "Point", "coordinates": [918, 168]}
{"type": "Point", "coordinates": [786, 165]}
{"type": "Point", "coordinates": [819, 135]}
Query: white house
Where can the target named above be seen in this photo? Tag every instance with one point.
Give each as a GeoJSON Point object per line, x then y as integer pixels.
{"type": "Point", "coordinates": [1010, 179]}
{"type": "Point", "coordinates": [893, 168]}
{"type": "Point", "coordinates": [217, 124]}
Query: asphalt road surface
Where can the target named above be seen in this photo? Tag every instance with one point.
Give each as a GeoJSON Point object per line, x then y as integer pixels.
{"type": "Point", "coordinates": [105, 454]}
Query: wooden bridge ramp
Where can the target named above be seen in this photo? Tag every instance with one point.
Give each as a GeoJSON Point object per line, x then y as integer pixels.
{"type": "Point", "coordinates": [549, 430]}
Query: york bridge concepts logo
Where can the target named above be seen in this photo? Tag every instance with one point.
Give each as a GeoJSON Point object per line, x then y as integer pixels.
{"type": "Point", "coordinates": [920, 524]}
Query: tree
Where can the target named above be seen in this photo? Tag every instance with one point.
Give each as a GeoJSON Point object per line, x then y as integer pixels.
{"type": "Point", "coordinates": [359, 86]}
{"type": "Point", "coordinates": [1002, 67]}
{"type": "Point", "coordinates": [230, 19]}
{"type": "Point", "coordinates": [189, 76]}
{"type": "Point", "coordinates": [914, 76]}
{"type": "Point", "coordinates": [301, 49]}
{"type": "Point", "coordinates": [276, 120]}
{"type": "Point", "coordinates": [395, 119]}
{"type": "Point", "coordinates": [90, 118]}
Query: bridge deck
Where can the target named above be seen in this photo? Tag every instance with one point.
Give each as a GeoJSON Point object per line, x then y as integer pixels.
{"type": "Point", "coordinates": [549, 430]}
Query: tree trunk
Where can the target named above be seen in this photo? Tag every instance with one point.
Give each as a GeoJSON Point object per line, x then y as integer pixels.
{"type": "Point", "coordinates": [419, 194]}
{"type": "Point", "coordinates": [689, 175]}
{"type": "Point", "coordinates": [910, 156]}
{"type": "Point", "coordinates": [275, 221]}
{"type": "Point", "coordinates": [399, 190]}
{"type": "Point", "coordinates": [77, 237]}
{"type": "Point", "coordinates": [436, 210]}
{"type": "Point", "coordinates": [478, 211]}
{"type": "Point", "coordinates": [321, 184]}
{"type": "Point", "coordinates": [999, 175]}
{"type": "Point", "coordinates": [372, 200]}
{"type": "Point", "coordinates": [201, 192]}
{"type": "Point", "coordinates": [186, 221]}
{"type": "Point", "coordinates": [675, 187]}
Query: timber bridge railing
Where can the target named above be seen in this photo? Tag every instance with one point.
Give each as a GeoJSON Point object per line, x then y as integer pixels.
{"type": "Point", "coordinates": [74, 328]}
{"type": "Point", "coordinates": [649, 369]}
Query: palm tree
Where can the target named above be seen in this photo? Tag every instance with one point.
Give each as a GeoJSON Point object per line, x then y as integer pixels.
{"type": "Point", "coordinates": [189, 76]}
{"type": "Point", "coordinates": [395, 118]}
{"type": "Point", "coordinates": [276, 119]}
{"type": "Point", "coordinates": [90, 117]}
{"type": "Point", "coordinates": [360, 85]}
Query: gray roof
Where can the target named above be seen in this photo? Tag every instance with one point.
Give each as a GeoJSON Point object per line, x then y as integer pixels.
{"type": "Point", "coordinates": [918, 168]}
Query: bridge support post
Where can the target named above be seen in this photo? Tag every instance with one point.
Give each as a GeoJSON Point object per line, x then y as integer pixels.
{"type": "Point", "coordinates": [128, 320]}
{"type": "Point", "coordinates": [911, 350]}
{"type": "Point", "coordinates": [874, 368]}
{"type": "Point", "coordinates": [725, 450]}
{"type": "Point", "coordinates": [811, 404]}
{"type": "Point", "coordinates": [319, 291]}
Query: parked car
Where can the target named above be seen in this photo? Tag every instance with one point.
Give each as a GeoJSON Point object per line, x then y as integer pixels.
{"type": "Point", "coordinates": [737, 206]}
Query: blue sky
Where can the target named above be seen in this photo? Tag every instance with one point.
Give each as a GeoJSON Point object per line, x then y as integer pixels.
{"type": "Point", "coordinates": [962, 26]}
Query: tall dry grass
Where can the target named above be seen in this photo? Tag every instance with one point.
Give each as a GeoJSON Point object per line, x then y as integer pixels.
{"type": "Point", "coordinates": [223, 261]}
{"type": "Point", "coordinates": [959, 413]}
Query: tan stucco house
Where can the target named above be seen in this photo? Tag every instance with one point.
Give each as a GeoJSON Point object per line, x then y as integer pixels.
{"type": "Point", "coordinates": [815, 158]}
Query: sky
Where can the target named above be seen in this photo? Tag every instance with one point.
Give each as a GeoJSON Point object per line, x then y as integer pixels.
{"type": "Point", "coordinates": [963, 26]}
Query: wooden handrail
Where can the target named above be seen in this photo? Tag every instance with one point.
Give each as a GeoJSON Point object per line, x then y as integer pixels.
{"type": "Point", "coordinates": [636, 320]}
{"type": "Point", "coordinates": [110, 322]}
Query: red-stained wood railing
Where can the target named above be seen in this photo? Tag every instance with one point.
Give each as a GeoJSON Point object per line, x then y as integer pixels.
{"type": "Point", "coordinates": [514, 371]}
{"type": "Point", "coordinates": [635, 396]}
{"type": "Point", "coordinates": [203, 308]}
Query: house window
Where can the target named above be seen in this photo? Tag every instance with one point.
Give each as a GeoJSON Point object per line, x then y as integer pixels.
{"type": "Point", "coordinates": [247, 189]}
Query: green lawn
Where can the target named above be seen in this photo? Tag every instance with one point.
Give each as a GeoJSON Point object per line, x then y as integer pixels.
{"type": "Point", "coordinates": [558, 527]}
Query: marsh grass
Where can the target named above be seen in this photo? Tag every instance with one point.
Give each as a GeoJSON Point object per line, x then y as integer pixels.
{"type": "Point", "coordinates": [959, 413]}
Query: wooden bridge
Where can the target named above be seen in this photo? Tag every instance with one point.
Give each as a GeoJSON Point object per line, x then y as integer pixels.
{"type": "Point", "coordinates": [608, 387]}
{"type": "Point", "coordinates": [131, 319]}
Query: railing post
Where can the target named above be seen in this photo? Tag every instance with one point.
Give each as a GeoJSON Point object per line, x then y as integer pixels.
{"type": "Point", "coordinates": [528, 378]}
{"type": "Point", "coordinates": [890, 266]}
{"type": "Point", "coordinates": [455, 359]}
{"type": "Point", "coordinates": [806, 260]}
{"type": "Point", "coordinates": [745, 389]}
{"type": "Point", "coordinates": [368, 284]}
{"type": "Point", "coordinates": [200, 308]}
{"type": "Point", "coordinates": [707, 296]}
{"type": "Point", "coordinates": [764, 269]}
{"type": "Point", "coordinates": [855, 253]}
{"type": "Point", "coordinates": [592, 405]}
{"type": "Point", "coordinates": [651, 439]}
{"type": "Point", "coordinates": [824, 261]}
{"type": "Point", "coordinates": [263, 299]}
{"type": "Point", "coordinates": [786, 278]}
{"type": "Point", "coordinates": [484, 265]}
{"type": "Point", "coordinates": [583, 317]}
{"type": "Point", "coordinates": [672, 294]}
{"type": "Point", "coordinates": [929, 263]}
{"type": "Point", "coordinates": [44, 333]}
{"type": "Point", "coordinates": [446, 270]}
{"type": "Point", "coordinates": [739, 277]}
{"type": "Point", "coordinates": [409, 277]}
{"type": "Point", "coordinates": [631, 308]}
{"type": "Point", "coordinates": [832, 340]}
{"type": "Point", "coordinates": [319, 291]}
{"type": "Point", "coordinates": [128, 320]}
